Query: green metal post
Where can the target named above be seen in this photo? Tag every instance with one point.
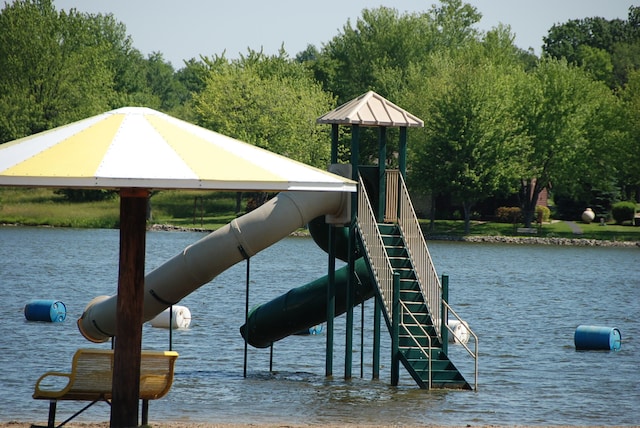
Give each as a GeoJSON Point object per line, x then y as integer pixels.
{"type": "Point", "coordinates": [395, 336]}
{"type": "Point", "coordinates": [377, 315]}
{"type": "Point", "coordinates": [334, 143]}
{"type": "Point", "coordinates": [382, 158]}
{"type": "Point", "coordinates": [331, 302]}
{"type": "Point", "coordinates": [361, 340]}
{"type": "Point", "coordinates": [402, 152]}
{"type": "Point", "coordinates": [355, 154]}
{"type": "Point", "coordinates": [331, 286]}
{"type": "Point", "coordinates": [444, 314]}
{"type": "Point", "coordinates": [246, 313]}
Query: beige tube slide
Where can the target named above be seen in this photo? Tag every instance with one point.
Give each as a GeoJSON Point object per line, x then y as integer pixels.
{"type": "Point", "coordinates": [200, 262]}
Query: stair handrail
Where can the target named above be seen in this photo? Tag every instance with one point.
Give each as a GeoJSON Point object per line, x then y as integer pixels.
{"type": "Point", "coordinates": [404, 308]}
{"type": "Point", "coordinates": [374, 249]}
{"type": "Point", "coordinates": [474, 353]}
{"type": "Point", "coordinates": [398, 208]}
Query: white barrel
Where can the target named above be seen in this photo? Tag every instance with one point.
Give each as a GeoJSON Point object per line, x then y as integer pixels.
{"type": "Point", "coordinates": [181, 317]}
{"type": "Point", "coordinates": [459, 331]}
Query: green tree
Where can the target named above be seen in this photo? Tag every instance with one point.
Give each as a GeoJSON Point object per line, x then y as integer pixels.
{"type": "Point", "coordinates": [471, 135]}
{"type": "Point", "coordinates": [269, 101]}
{"type": "Point", "coordinates": [53, 70]}
{"type": "Point", "coordinates": [375, 53]}
{"type": "Point", "coordinates": [628, 151]}
{"type": "Point", "coordinates": [564, 113]}
{"type": "Point", "coordinates": [164, 83]}
{"type": "Point", "coordinates": [589, 41]}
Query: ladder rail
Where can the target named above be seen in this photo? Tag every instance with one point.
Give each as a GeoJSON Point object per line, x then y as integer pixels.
{"type": "Point", "coordinates": [401, 211]}
{"type": "Point", "coordinates": [474, 353]}
{"type": "Point", "coordinates": [405, 310]}
{"type": "Point", "coordinates": [374, 249]}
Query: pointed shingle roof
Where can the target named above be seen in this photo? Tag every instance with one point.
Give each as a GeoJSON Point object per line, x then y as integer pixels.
{"type": "Point", "coordinates": [371, 109]}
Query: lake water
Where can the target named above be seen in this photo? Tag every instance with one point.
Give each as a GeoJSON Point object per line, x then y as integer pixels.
{"type": "Point", "coordinates": [524, 302]}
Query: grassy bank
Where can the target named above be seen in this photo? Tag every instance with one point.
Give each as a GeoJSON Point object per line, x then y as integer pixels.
{"type": "Point", "coordinates": [554, 229]}
{"type": "Point", "coordinates": [211, 210]}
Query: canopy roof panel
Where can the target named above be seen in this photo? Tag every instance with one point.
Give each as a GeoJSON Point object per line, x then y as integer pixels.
{"type": "Point", "coordinates": [137, 147]}
{"type": "Point", "coordinates": [371, 109]}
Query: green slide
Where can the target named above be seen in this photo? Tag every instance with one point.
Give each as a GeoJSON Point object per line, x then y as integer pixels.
{"type": "Point", "coordinates": [306, 306]}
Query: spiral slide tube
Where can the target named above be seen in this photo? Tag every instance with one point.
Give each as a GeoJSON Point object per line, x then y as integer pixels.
{"type": "Point", "coordinates": [200, 262]}
{"type": "Point", "coordinates": [304, 307]}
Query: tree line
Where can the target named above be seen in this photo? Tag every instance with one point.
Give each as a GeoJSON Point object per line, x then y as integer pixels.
{"type": "Point", "coordinates": [500, 122]}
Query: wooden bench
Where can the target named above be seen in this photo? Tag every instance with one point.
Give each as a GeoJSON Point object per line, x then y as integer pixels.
{"type": "Point", "coordinates": [91, 379]}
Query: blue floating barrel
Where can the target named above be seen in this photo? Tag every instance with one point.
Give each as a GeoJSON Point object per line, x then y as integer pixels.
{"type": "Point", "coordinates": [592, 337]}
{"type": "Point", "coordinates": [316, 329]}
{"type": "Point", "coordinates": [45, 310]}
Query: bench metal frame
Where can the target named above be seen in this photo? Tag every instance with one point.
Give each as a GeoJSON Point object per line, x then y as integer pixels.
{"type": "Point", "coordinates": [81, 367]}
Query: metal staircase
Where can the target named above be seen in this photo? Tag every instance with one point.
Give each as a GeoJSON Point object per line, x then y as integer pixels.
{"type": "Point", "coordinates": [410, 290]}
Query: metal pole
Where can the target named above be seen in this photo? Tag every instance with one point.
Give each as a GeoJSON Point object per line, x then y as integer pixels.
{"type": "Point", "coordinates": [334, 143]}
{"type": "Point", "coordinates": [444, 314]}
{"type": "Point", "coordinates": [348, 346]}
{"type": "Point", "coordinates": [171, 328]}
{"type": "Point", "coordinates": [402, 152]}
{"type": "Point", "coordinates": [331, 302]}
{"type": "Point", "coordinates": [361, 340]}
{"type": "Point", "coordinates": [271, 358]}
{"type": "Point", "coordinates": [377, 313]}
{"type": "Point", "coordinates": [331, 286]}
{"type": "Point", "coordinates": [382, 158]}
{"type": "Point", "coordinates": [246, 314]}
{"type": "Point", "coordinates": [395, 336]}
{"type": "Point", "coordinates": [355, 153]}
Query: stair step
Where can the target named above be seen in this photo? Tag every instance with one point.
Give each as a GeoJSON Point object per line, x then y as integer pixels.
{"type": "Point", "coordinates": [409, 295]}
{"type": "Point", "coordinates": [397, 251]}
{"type": "Point", "coordinates": [400, 263]}
{"type": "Point", "coordinates": [418, 338]}
{"type": "Point", "coordinates": [406, 273]}
{"type": "Point", "coordinates": [389, 229]}
{"type": "Point", "coordinates": [422, 318]}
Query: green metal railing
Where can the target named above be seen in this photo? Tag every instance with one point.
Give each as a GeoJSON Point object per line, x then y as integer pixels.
{"type": "Point", "coordinates": [426, 352]}
{"type": "Point", "coordinates": [374, 245]}
{"type": "Point", "coordinates": [399, 209]}
{"type": "Point", "coordinates": [474, 353]}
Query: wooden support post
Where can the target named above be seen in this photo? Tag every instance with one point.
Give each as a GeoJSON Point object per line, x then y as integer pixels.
{"type": "Point", "coordinates": [129, 308]}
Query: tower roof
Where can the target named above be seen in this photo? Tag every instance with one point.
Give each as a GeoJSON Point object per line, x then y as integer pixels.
{"type": "Point", "coordinates": [371, 109]}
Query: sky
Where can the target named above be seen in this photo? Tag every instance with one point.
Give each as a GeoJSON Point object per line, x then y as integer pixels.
{"type": "Point", "coordinates": [187, 29]}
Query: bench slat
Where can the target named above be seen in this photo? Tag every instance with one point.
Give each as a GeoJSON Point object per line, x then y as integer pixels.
{"type": "Point", "coordinates": [92, 374]}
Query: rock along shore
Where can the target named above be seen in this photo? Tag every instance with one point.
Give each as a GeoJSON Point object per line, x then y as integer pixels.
{"type": "Point", "coordinates": [516, 240]}
{"type": "Point", "coordinates": [533, 240]}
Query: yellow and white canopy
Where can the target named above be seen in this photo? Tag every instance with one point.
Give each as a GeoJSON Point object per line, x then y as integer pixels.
{"type": "Point", "coordinates": [137, 147]}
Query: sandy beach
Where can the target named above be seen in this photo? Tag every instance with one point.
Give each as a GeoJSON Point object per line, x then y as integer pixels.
{"type": "Point", "coordinates": [283, 425]}
{"type": "Point", "coordinates": [178, 424]}
{"type": "Point", "coordinates": [214, 425]}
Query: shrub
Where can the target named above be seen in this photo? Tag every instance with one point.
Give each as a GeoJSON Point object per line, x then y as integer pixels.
{"type": "Point", "coordinates": [623, 211]}
{"type": "Point", "coordinates": [543, 213]}
{"type": "Point", "coordinates": [508, 215]}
